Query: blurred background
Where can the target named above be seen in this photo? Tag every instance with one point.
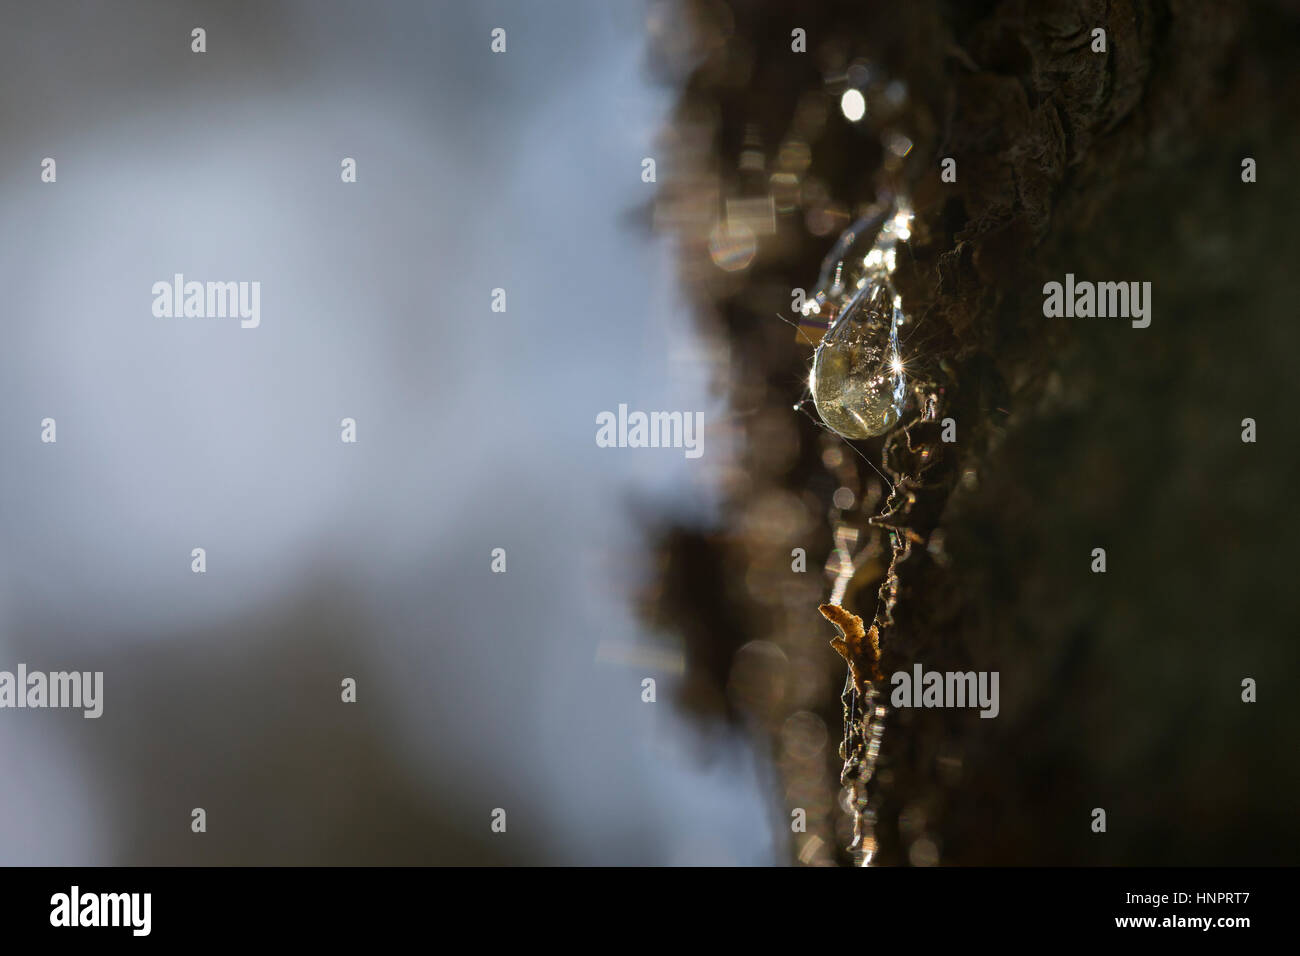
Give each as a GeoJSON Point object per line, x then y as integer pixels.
{"type": "Point", "coordinates": [324, 560]}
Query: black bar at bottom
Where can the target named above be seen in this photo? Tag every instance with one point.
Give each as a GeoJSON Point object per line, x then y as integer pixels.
{"type": "Point", "coordinates": [378, 904]}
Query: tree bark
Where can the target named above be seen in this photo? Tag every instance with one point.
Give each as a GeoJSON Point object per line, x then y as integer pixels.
{"type": "Point", "coordinates": [1119, 690]}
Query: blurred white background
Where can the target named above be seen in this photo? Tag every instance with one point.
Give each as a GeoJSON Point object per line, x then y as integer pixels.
{"type": "Point", "coordinates": [476, 431]}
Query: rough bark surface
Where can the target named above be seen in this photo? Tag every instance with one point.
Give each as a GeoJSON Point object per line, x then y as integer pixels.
{"type": "Point", "coordinates": [1119, 690]}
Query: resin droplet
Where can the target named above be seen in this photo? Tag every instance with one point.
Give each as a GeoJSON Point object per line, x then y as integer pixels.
{"type": "Point", "coordinates": [857, 380]}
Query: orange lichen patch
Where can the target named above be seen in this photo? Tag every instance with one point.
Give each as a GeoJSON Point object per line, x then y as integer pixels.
{"type": "Point", "coordinates": [859, 647]}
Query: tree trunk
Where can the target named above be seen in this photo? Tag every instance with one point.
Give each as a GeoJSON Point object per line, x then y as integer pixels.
{"type": "Point", "coordinates": [1120, 690]}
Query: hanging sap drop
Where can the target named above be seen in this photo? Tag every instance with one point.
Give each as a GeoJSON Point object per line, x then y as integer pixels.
{"type": "Point", "coordinates": [858, 379]}
{"type": "Point", "coordinates": [858, 382]}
